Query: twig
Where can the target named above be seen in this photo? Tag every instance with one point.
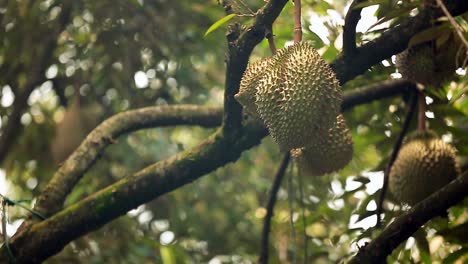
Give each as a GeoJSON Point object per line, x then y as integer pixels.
{"type": "Point", "coordinates": [263, 259]}
{"type": "Point", "coordinates": [297, 21]}
{"type": "Point", "coordinates": [408, 223]}
{"type": "Point", "coordinates": [349, 31]}
{"type": "Point", "coordinates": [421, 111]}
{"type": "Point", "coordinates": [304, 224]}
{"type": "Point", "coordinates": [393, 156]}
{"type": "Point", "coordinates": [454, 23]}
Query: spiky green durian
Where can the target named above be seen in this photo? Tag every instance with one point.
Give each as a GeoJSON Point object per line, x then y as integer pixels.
{"type": "Point", "coordinates": [248, 85]}
{"type": "Point", "coordinates": [297, 96]}
{"type": "Point", "coordinates": [424, 164]}
{"type": "Point", "coordinates": [329, 152]}
{"type": "Point", "coordinates": [430, 65]}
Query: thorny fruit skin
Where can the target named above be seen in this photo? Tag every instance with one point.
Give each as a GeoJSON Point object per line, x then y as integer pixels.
{"type": "Point", "coordinates": [248, 85]}
{"type": "Point", "coordinates": [424, 164]}
{"type": "Point", "coordinates": [298, 96]}
{"type": "Point", "coordinates": [431, 65]}
{"type": "Point", "coordinates": [331, 151]}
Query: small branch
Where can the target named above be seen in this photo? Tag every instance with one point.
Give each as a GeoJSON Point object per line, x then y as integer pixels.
{"type": "Point", "coordinates": [349, 31]}
{"type": "Point", "coordinates": [408, 223]}
{"type": "Point", "coordinates": [454, 23]}
{"type": "Point", "coordinates": [297, 21]}
{"type": "Point", "coordinates": [263, 259]}
{"type": "Point", "coordinates": [393, 156]}
{"type": "Point", "coordinates": [51, 199]}
{"type": "Point", "coordinates": [421, 111]}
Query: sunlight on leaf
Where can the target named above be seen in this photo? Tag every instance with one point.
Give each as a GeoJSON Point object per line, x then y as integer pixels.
{"type": "Point", "coordinates": [219, 23]}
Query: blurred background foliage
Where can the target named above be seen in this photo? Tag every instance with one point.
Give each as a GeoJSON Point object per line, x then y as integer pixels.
{"type": "Point", "coordinates": [111, 56]}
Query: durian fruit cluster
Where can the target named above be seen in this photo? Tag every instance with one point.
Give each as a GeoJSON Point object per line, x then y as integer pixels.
{"type": "Point", "coordinates": [424, 164]}
{"type": "Point", "coordinates": [431, 65]}
{"type": "Point", "coordinates": [297, 96]}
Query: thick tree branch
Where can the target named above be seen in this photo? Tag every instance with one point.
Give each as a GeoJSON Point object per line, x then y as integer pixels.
{"type": "Point", "coordinates": [349, 30]}
{"type": "Point", "coordinates": [391, 42]}
{"type": "Point", "coordinates": [376, 91]}
{"type": "Point", "coordinates": [263, 259]}
{"type": "Point", "coordinates": [41, 240]}
{"type": "Point", "coordinates": [115, 200]}
{"type": "Point", "coordinates": [240, 46]}
{"type": "Point", "coordinates": [405, 225]}
{"type": "Point", "coordinates": [77, 164]}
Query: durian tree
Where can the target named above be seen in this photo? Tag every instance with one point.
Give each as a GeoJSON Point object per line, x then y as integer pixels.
{"type": "Point", "coordinates": [234, 131]}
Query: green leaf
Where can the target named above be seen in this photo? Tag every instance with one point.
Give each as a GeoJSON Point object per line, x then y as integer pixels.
{"type": "Point", "coordinates": [391, 15]}
{"type": "Point", "coordinates": [219, 23]}
{"type": "Point", "coordinates": [428, 35]}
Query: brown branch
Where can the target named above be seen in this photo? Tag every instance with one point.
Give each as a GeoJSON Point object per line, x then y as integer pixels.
{"type": "Point", "coordinates": [263, 259]}
{"type": "Point", "coordinates": [240, 46]}
{"type": "Point", "coordinates": [421, 111]}
{"type": "Point", "coordinates": [46, 238]}
{"type": "Point", "coordinates": [349, 31]}
{"type": "Point", "coordinates": [52, 198]}
{"type": "Point", "coordinates": [404, 129]}
{"type": "Point", "coordinates": [408, 223]}
{"type": "Point", "coordinates": [376, 91]}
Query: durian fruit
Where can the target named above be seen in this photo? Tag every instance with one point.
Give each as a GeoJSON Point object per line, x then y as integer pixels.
{"type": "Point", "coordinates": [430, 65]}
{"type": "Point", "coordinates": [330, 151]}
{"type": "Point", "coordinates": [424, 164]}
{"type": "Point", "coordinates": [248, 86]}
{"type": "Point", "coordinates": [297, 96]}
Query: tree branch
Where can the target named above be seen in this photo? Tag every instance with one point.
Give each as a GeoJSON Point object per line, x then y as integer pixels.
{"type": "Point", "coordinates": [349, 30]}
{"type": "Point", "coordinates": [115, 200]}
{"type": "Point", "coordinates": [263, 259]}
{"type": "Point", "coordinates": [376, 91]}
{"type": "Point", "coordinates": [391, 42]}
{"type": "Point", "coordinates": [240, 46]}
{"type": "Point", "coordinates": [51, 199]}
{"type": "Point", "coordinates": [408, 223]}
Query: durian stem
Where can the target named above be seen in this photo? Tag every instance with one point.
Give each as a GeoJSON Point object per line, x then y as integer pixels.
{"type": "Point", "coordinates": [297, 21]}
{"type": "Point", "coordinates": [271, 41]}
{"type": "Point", "coordinates": [421, 111]}
{"type": "Point", "coordinates": [404, 129]}
{"type": "Point", "coordinates": [263, 259]}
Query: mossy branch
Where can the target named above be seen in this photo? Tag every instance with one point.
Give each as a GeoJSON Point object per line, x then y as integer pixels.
{"type": "Point", "coordinates": [404, 226]}
{"type": "Point", "coordinates": [52, 198]}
